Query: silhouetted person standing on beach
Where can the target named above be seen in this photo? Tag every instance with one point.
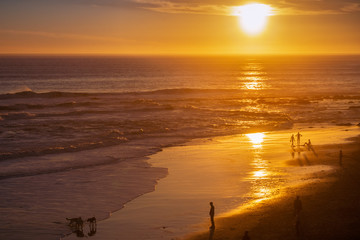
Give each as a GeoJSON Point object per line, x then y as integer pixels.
{"type": "Point", "coordinates": [298, 136]}
{"type": "Point", "coordinates": [212, 214]}
{"type": "Point", "coordinates": [246, 236]}
{"type": "Point", "coordinates": [340, 157]}
{"type": "Point", "coordinates": [297, 205]}
{"type": "Point", "coordinates": [292, 140]}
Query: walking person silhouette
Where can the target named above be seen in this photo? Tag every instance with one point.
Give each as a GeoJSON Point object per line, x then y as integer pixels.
{"type": "Point", "coordinates": [212, 214]}
{"type": "Point", "coordinates": [292, 140]}
{"type": "Point", "coordinates": [298, 136]}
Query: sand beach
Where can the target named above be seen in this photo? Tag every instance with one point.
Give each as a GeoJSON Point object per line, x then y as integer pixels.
{"type": "Point", "coordinates": [330, 199]}
{"type": "Point", "coordinates": [253, 180]}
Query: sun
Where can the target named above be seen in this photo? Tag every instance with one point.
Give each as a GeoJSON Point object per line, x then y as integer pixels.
{"type": "Point", "coordinates": [253, 17]}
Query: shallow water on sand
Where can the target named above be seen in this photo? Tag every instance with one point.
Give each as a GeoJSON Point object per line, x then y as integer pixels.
{"type": "Point", "coordinates": [230, 171]}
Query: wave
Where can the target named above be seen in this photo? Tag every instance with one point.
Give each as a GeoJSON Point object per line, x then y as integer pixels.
{"type": "Point", "coordinates": [113, 138]}
{"type": "Point", "coordinates": [72, 104]}
{"type": "Point", "coordinates": [61, 122]}
{"type": "Point", "coordinates": [37, 167]}
{"type": "Point", "coordinates": [59, 94]}
{"type": "Point", "coordinates": [138, 95]}
{"type": "Point", "coordinates": [31, 94]}
{"type": "Point", "coordinates": [17, 115]}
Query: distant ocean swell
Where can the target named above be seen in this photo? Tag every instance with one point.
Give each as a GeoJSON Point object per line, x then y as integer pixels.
{"type": "Point", "coordinates": [34, 124]}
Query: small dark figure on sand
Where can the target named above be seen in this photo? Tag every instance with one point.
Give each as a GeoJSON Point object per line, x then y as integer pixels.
{"type": "Point", "coordinates": [92, 226]}
{"type": "Point", "coordinates": [76, 225]}
{"type": "Point", "coordinates": [212, 214]}
{"type": "Point", "coordinates": [340, 157]}
{"type": "Point", "coordinates": [298, 136]}
{"type": "Point", "coordinates": [309, 146]}
{"type": "Point", "coordinates": [297, 205]}
{"type": "Point", "coordinates": [292, 140]}
{"type": "Point", "coordinates": [246, 236]}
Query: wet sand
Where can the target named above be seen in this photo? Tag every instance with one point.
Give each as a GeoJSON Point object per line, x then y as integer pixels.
{"type": "Point", "coordinates": [252, 182]}
{"type": "Point", "coordinates": [331, 204]}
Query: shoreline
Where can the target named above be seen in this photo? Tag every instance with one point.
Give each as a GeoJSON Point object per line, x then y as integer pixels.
{"type": "Point", "coordinates": [107, 227]}
{"type": "Point", "coordinates": [331, 205]}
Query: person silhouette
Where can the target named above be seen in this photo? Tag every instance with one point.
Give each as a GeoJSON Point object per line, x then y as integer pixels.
{"type": "Point", "coordinates": [298, 136]}
{"type": "Point", "coordinates": [212, 214]}
{"type": "Point", "coordinates": [297, 205]}
{"type": "Point", "coordinates": [92, 226]}
{"type": "Point", "coordinates": [292, 140]}
{"type": "Point", "coordinates": [309, 146]}
{"type": "Point", "coordinates": [246, 236]}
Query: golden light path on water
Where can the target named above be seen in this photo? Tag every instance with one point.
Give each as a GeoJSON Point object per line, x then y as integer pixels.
{"type": "Point", "coordinates": [253, 77]}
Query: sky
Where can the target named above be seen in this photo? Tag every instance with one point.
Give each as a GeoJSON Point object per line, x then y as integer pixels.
{"type": "Point", "coordinates": [176, 27]}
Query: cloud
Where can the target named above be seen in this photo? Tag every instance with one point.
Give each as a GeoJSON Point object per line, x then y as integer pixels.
{"type": "Point", "coordinates": [351, 7]}
{"type": "Point", "coordinates": [113, 3]}
{"type": "Point", "coordinates": [317, 7]}
{"type": "Point", "coordinates": [185, 7]}
{"type": "Point", "coordinates": [220, 7]}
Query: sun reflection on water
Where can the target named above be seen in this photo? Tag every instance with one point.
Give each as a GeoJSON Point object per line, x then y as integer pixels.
{"type": "Point", "coordinates": [256, 138]}
{"type": "Point", "coordinates": [262, 192]}
{"type": "Point", "coordinates": [253, 77]}
{"type": "Point", "coordinates": [260, 173]}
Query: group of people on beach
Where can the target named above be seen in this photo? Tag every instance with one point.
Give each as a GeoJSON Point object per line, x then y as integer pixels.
{"type": "Point", "coordinates": [308, 145]}
{"type": "Point", "coordinates": [298, 144]}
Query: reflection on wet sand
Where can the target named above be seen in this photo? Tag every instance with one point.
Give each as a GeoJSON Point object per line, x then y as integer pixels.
{"type": "Point", "coordinates": [211, 233]}
{"type": "Point", "coordinates": [261, 176]}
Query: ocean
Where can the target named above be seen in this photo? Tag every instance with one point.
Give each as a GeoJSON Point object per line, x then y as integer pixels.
{"type": "Point", "coordinates": [76, 131]}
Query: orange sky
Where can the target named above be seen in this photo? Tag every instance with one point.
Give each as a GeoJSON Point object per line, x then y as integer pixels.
{"type": "Point", "coordinates": [175, 27]}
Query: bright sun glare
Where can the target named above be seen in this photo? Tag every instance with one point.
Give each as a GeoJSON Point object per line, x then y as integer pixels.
{"type": "Point", "coordinates": [253, 17]}
{"type": "Point", "coordinates": [256, 138]}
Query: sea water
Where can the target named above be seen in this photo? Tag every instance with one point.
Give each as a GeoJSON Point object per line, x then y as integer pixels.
{"type": "Point", "coordinates": [75, 131]}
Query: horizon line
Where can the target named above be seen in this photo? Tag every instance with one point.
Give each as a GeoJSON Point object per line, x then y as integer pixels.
{"type": "Point", "coordinates": [174, 54]}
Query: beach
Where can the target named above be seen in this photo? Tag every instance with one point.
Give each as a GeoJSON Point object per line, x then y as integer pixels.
{"type": "Point", "coordinates": [144, 144]}
{"type": "Point", "coordinates": [179, 120]}
{"type": "Point", "coordinates": [254, 195]}
{"type": "Point", "coordinates": [331, 206]}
